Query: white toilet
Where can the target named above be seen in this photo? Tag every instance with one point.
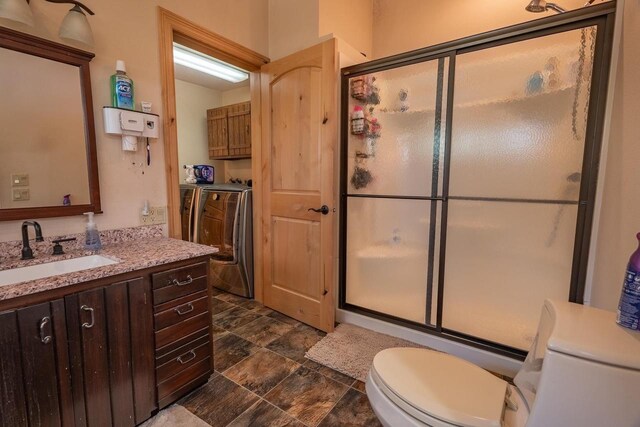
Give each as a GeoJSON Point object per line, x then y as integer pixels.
{"type": "Point", "coordinates": [582, 370]}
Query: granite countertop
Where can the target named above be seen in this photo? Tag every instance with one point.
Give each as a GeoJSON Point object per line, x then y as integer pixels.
{"type": "Point", "coordinates": [131, 255]}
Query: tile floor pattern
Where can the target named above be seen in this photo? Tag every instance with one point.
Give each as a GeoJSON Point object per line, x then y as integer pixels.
{"type": "Point", "coordinates": [262, 378]}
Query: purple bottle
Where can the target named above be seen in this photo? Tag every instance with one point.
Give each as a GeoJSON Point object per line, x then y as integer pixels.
{"type": "Point", "coordinates": [629, 306]}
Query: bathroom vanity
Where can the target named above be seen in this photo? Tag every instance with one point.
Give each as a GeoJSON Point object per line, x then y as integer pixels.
{"type": "Point", "coordinates": [109, 345]}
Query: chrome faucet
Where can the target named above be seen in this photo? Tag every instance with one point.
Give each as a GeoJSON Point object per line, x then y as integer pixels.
{"type": "Point", "coordinates": [27, 253]}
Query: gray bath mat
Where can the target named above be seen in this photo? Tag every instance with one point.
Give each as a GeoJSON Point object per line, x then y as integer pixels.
{"type": "Point", "coordinates": [350, 349]}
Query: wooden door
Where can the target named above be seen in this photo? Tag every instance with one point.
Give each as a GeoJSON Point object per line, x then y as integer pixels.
{"type": "Point", "coordinates": [299, 113]}
{"type": "Point", "coordinates": [239, 124]}
{"type": "Point", "coordinates": [218, 134]}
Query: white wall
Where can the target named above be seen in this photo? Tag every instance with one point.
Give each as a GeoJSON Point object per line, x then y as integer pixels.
{"type": "Point", "coordinates": [192, 103]}
{"type": "Point", "coordinates": [235, 96]}
{"type": "Point", "coordinates": [350, 20]}
{"type": "Point", "coordinates": [298, 24]}
{"type": "Point", "coordinates": [293, 25]}
{"type": "Point", "coordinates": [403, 25]}
{"type": "Point", "coordinates": [620, 219]}
{"type": "Point", "coordinates": [133, 37]}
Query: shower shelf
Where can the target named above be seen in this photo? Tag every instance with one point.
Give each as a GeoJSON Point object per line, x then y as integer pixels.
{"type": "Point", "coordinates": [489, 102]}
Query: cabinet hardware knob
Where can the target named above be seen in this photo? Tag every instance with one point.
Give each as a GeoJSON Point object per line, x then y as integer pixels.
{"type": "Point", "coordinates": [183, 283]}
{"type": "Point", "coordinates": [93, 318]}
{"type": "Point", "coordinates": [44, 339]}
{"type": "Point", "coordinates": [191, 354]}
{"type": "Point", "coordinates": [180, 311]}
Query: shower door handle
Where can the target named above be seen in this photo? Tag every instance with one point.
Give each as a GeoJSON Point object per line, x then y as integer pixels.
{"type": "Point", "coordinates": [324, 209]}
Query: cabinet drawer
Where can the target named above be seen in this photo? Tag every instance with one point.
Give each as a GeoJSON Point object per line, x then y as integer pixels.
{"type": "Point", "coordinates": [184, 382]}
{"type": "Point", "coordinates": [179, 288]}
{"type": "Point", "coordinates": [180, 274]}
{"type": "Point", "coordinates": [161, 352]}
{"type": "Point", "coordinates": [175, 332]}
{"type": "Point", "coordinates": [180, 309]}
{"type": "Point", "coordinates": [181, 358]}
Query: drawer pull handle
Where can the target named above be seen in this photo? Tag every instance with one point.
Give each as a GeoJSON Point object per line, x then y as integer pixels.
{"type": "Point", "coordinates": [93, 319]}
{"type": "Point", "coordinates": [191, 354]}
{"type": "Point", "coordinates": [188, 308]}
{"type": "Point", "coordinates": [44, 339]}
{"type": "Point", "coordinates": [183, 283]}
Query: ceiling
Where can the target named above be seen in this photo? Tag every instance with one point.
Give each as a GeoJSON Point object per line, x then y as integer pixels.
{"type": "Point", "coordinates": [202, 79]}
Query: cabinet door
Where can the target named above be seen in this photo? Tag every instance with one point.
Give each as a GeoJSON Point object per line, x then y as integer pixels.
{"type": "Point", "coordinates": [35, 385]}
{"type": "Point", "coordinates": [111, 340]}
{"type": "Point", "coordinates": [13, 404]}
{"type": "Point", "coordinates": [218, 132]}
{"type": "Point", "coordinates": [239, 129]}
{"type": "Point", "coordinates": [90, 364]}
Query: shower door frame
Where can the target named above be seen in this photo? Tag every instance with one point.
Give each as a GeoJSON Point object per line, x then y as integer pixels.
{"type": "Point", "coordinates": [602, 16]}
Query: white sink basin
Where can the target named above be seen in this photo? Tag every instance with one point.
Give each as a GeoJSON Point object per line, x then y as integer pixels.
{"type": "Point", "coordinates": [40, 271]}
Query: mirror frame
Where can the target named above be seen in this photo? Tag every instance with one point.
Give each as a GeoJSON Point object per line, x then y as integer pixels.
{"type": "Point", "coordinates": [43, 48]}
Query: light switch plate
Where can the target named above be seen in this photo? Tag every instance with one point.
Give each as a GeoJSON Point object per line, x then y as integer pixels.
{"type": "Point", "coordinates": [157, 215]}
{"type": "Point", "coordinates": [20, 180]}
{"type": "Point", "coordinates": [20, 194]}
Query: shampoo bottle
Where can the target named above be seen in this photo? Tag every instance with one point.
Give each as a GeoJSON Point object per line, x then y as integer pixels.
{"type": "Point", "coordinates": [92, 237]}
{"type": "Point", "coordinates": [121, 88]}
{"type": "Point", "coordinates": [629, 306]}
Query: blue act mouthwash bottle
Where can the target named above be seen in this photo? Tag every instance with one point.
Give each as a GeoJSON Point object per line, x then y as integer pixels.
{"type": "Point", "coordinates": [121, 88]}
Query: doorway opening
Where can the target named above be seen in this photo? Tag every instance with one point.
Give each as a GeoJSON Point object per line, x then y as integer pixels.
{"type": "Point", "coordinates": [211, 86]}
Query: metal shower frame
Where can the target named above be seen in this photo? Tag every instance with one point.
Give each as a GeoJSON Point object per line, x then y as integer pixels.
{"type": "Point", "coordinates": [602, 16]}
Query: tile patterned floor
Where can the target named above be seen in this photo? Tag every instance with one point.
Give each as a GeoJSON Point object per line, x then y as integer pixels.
{"type": "Point", "coordinates": [263, 379]}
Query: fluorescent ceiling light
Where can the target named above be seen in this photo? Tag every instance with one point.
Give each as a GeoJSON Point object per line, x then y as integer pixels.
{"type": "Point", "coordinates": [193, 59]}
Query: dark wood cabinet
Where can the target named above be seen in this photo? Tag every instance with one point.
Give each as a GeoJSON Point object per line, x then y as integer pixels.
{"type": "Point", "coordinates": [182, 316]}
{"type": "Point", "coordinates": [90, 358]}
{"type": "Point", "coordinates": [111, 342]}
{"type": "Point", "coordinates": [33, 391]}
{"type": "Point", "coordinates": [230, 131]}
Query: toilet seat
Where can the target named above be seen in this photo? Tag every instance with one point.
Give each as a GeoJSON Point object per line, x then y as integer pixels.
{"type": "Point", "coordinates": [430, 386]}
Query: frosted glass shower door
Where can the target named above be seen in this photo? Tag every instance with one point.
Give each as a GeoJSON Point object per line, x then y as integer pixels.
{"type": "Point", "coordinates": [518, 142]}
{"type": "Point", "coordinates": [394, 188]}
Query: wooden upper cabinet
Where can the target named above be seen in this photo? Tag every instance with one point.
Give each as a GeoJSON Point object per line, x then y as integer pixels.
{"type": "Point", "coordinates": [239, 124]}
{"type": "Point", "coordinates": [218, 135]}
{"type": "Point", "coordinates": [230, 131]}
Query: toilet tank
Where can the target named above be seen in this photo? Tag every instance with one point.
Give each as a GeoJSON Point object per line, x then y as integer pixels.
{"type": "Point", "coordinates": [582, 370]}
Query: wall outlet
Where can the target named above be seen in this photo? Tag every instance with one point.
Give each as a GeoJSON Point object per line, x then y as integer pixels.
{"type": "Point", "coordinates": [20, 194]}
{"type": "Point", "coordinates": [157, 215]}
{"type": "Point", "coordinates": [20, 180]}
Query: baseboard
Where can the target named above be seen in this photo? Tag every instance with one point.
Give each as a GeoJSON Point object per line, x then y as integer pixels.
{"type": "Point", "coordinates": [493, 362]}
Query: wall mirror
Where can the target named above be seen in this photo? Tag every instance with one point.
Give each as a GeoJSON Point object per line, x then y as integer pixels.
{"type": "Point", "coordinates": [48, 162]}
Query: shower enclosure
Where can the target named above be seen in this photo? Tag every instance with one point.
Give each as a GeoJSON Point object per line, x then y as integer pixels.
{"type": "Point", "coordinates": [468, 176]}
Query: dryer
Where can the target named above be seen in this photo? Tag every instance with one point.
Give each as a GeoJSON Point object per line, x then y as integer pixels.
{"type": "Point", "coordinates": [220, 215]}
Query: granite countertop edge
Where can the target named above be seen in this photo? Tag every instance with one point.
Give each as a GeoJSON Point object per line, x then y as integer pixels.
{"type": "Point", "coordinates": [130, 256]}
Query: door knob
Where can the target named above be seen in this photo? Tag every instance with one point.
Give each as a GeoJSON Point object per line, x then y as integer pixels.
{"type": "Point", "coordinates": [324, 209]}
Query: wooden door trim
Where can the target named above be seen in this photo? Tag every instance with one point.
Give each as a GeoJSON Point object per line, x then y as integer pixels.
{"type": "Point", "coordinates": [172, 26]}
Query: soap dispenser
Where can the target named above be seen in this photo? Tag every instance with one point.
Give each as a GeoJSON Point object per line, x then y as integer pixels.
{"type": "Point", "coordinates": [92, 236]}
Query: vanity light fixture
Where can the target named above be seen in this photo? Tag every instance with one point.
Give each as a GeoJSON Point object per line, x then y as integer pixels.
{"type": "Point", "coordinates": [75, 25]}
{"type": "Point", "coordinates": [16, 10]}
{"type": "Point", "coordinates": [204, 63]}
